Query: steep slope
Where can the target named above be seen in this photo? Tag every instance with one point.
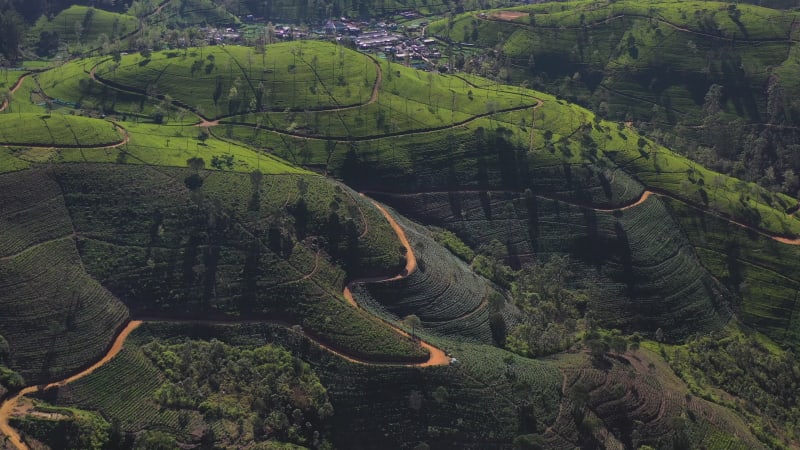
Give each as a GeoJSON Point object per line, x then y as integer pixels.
{"type": "Point", "coordinates": [56, 317]}
{"type": "Point", "coordinates": [647, 271]}
{"type": "Point", "coordinates": [631, 56]}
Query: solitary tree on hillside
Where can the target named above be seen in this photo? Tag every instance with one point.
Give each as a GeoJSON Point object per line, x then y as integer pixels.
{"type": "Point", "coordinates": [414, 322]}
{"type": "Point", "coordinates": [196, 163]}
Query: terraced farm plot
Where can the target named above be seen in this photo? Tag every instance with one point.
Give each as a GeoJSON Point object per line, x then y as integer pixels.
{"type": "Point", "coordinates": [759, 269]}
{"type": "Point", "coordinates": [56, 317]}
{"type": "Point", "coordinates": [443, 292]}
{"type": "Point", "coordinates": [33, 211]}
{"type": "Point", "coordinates": [646, 272]}
{"type": "Point", "coordinates": [56, 130]}
{"type": "Point", "coordinates": [175, 253]}
{"type": "Point", "coordinates": [408, 100]}
{"type": "Point", "coordinates": [123, 389]}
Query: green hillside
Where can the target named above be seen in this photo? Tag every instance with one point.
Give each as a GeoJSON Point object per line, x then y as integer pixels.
{"type": "Point", "coordinates": [562, 259]}
{"type": "Point", "coordinates": [440, 133]}
{"type": "Point", "coordinates": [722, 73]}
{"type": "Point", "coordinates": [57, 130]}
{"type": "Point", "coordinates": [631, 56]}
{"type": "Point", "coordinates": [82, 25]}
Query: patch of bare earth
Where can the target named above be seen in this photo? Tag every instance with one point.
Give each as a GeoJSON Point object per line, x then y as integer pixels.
{"type": "Point", "coordinates": [509, 16]}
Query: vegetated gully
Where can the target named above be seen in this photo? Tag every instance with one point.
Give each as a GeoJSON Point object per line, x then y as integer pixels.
{"type": "Point", "coordinates": [436, 357]}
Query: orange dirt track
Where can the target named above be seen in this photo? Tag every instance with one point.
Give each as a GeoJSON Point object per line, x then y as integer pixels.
{"type": "Point", "coordinates": [437, 356]}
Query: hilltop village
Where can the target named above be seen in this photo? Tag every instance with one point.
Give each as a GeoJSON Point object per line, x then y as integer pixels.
{"type": "Point", "coordinates": [406, 42]}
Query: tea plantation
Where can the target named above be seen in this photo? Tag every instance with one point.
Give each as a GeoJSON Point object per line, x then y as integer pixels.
{"type": "Point", "coordinates": [530, 256]}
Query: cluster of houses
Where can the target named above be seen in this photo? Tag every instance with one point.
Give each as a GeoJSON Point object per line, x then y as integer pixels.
{"type": "Point", "coordinates": [403, 43]}
{"type": "Point", "coordinates": [398, 42]}
{"type": "Point", "coordinates": [414, 50]}
{"type": "Point", "coordinates": [221, 35]}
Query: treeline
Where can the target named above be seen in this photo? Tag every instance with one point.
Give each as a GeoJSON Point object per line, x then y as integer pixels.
{"type": "Point", "coordinates": [17, 16]}
{"type": "Point", "coordinates": [764, 153]}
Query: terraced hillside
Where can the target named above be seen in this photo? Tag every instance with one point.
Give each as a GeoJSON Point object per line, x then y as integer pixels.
{"type": "Point", "coordinates": [173, 253]}
{"type": "Point", "coordinates": [191, 211]}
{"type": "Point", "coordinates": [637, 257]}
{"type": "Point", "coordinates": [632, 57]}
{"type": "Point", "coordinates": [655, 401]}
{"type": "Point", "coordinates": [57, 317]}
{"type": "Point", "coordinates": [356, 391]}
{"type": "Point", "coordinates": [443, 292]}
{"type": "Point", "coordinates": [444, 135]}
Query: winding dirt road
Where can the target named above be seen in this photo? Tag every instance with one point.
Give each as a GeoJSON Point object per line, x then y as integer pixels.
{"type": "Point", "coordinates": [7, 408]}
{"type": "Point", "coordinates": [13, 89]}
{"type": "Point", "coordinates": [437, 356]}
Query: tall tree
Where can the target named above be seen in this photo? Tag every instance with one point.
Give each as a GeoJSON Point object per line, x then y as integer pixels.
{"type": "Point", "coordinates": [12, 30]}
